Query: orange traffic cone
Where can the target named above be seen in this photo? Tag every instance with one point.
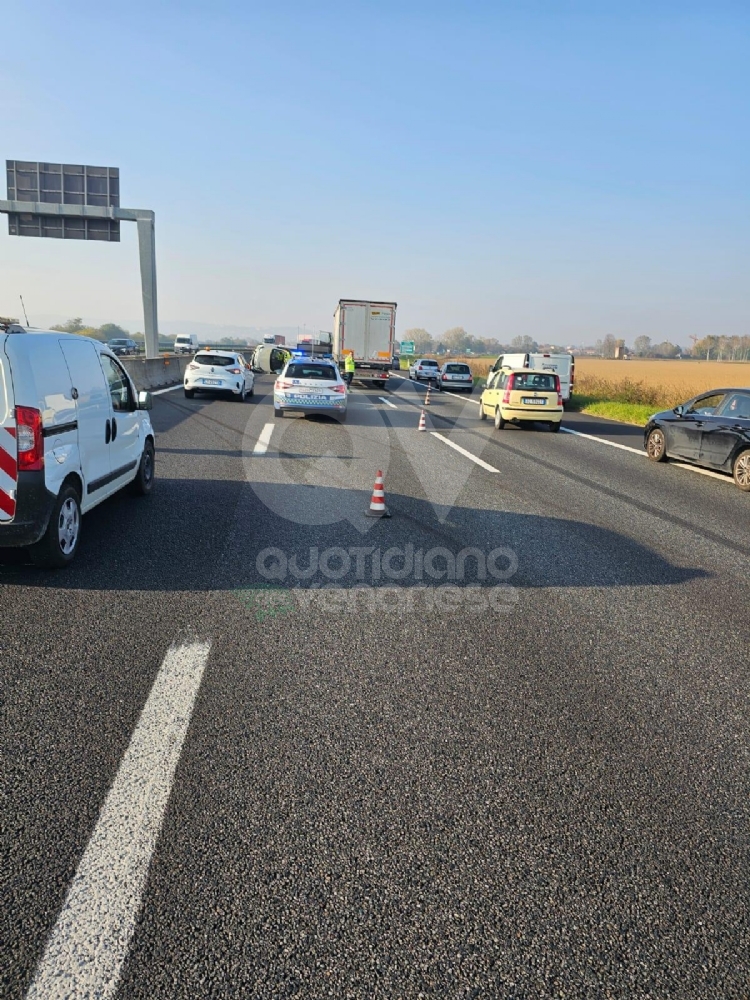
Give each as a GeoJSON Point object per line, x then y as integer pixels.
{"type": "Point", "coordinates": [377, 504]}
{"type": "Point", "coordinates": [427, 397]}
{"type": "Point", "coordinates": [422, 422]}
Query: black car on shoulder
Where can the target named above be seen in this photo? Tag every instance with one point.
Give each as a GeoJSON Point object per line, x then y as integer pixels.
{"type": "Point", "coordinates": [712, 430]}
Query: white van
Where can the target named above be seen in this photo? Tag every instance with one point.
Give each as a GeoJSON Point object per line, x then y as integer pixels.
{"type": "Point", "coordinates": [73, 431]}
{"type": "Point", "coordinates": [186, 343]}
{"type": "Point", "coordinates": [564, 365]}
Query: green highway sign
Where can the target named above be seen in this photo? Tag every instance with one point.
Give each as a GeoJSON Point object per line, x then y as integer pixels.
{"type": "Point", "coordinates": [407, 347]}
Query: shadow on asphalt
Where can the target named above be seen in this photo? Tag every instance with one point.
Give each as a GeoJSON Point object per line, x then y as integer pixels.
{"type": "Point", "coordinates": [203, 535]}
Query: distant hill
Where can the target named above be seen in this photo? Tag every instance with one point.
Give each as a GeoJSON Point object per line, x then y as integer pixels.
{"type": "Point", "coordinates": [170, 328]}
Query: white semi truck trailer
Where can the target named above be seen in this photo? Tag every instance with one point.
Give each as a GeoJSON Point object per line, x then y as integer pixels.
{"type": "Point", "coordinates": [367, 330]}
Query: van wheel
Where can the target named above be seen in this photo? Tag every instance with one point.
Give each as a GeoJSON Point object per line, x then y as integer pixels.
{"type": "Point", "coordinates": [144, 478]}
{"type": "Point", "coordinates": [499, 422]}
{"type": "Point", "coordinates": [189, 393]}
{"type": "Point", "coordinates": [59, 543]}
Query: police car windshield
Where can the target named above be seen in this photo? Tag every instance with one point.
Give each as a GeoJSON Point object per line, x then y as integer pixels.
{"type": "Point", "coordinates": [217, 360]}
{"type": "Point", "coordinates": [323, 372]}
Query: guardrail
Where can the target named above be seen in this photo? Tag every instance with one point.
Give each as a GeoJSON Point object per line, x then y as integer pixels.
{"type": "Point", "coordinates": [156, 373]}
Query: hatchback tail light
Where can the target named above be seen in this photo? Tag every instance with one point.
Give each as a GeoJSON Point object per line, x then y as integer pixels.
{"type": "Point", "coordinates": [191, 365]}
{"type": "Point", "coordinates": [29, 439]}
{"type": "Point", "coordinates": [509, 388]}
{"type": "Point", "coordinates": [234, 371]}
{"type": "Point", "coordinates": [445, 378]}
{"type": "Point", "coordinates": [559, 390]}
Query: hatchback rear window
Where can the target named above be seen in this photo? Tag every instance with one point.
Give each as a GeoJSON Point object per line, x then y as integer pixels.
{"type": "Point", "coordinates": [217, 360]}
{"type": "Point", "coordinates": [534, 381]}
{"type": "Point", "coordinates": [429, 364]}
{"type": "Point", "coordinates": [323, 372]}
{"type": "Point", "coordinates": [458, 369]}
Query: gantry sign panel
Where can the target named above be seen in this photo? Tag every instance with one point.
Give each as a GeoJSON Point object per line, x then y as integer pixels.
{"type": "Point", "coordinates": [63, 184]}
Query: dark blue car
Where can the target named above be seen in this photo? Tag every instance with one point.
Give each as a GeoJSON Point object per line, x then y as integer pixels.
{"type": "Point", "coordinates": [712, 430]}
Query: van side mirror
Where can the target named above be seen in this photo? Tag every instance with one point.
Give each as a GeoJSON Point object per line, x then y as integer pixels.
{"type": "Point", "coordinates": [145, 401]}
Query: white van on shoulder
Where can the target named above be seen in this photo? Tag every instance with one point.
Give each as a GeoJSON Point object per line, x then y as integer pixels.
{"type": "Point", "coordinates": [564, 366]}
{"type": "Point", "coordinates": [73, 431]}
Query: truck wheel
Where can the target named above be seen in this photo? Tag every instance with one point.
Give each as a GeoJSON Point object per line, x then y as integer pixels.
{"type": "Point", "coordinates": [59, 543]}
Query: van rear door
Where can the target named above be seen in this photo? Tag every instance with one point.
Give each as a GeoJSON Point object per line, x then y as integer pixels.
{"type": "Point", "coordinates": [93, 412]}
{"type": "Point", "coordinates": [8, 455]}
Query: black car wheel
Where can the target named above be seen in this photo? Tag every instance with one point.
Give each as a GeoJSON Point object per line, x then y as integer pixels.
{"type": "Point", "coordinates": [656, 445]}
{"type": "Point", "coordinates": [741, 470]}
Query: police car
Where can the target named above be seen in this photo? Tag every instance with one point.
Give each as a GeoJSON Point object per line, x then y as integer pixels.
{"type": "Point", "coordinates": [310, 385]}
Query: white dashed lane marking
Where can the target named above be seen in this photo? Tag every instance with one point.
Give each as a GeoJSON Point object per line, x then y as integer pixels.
{"type": "Point", "coordinates": [90, 941]}
{"type": "Point", "coordinates": [261, 445]}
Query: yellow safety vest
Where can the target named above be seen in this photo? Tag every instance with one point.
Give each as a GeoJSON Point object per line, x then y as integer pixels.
{"type": "Point", "coordinates": [349, 363]}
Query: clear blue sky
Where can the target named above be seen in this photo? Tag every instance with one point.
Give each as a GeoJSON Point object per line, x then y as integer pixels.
{"type": "Point", "coordinates": [559, 169]}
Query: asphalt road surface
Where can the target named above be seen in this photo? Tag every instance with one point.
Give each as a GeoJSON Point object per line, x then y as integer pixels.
{"type": "Point", "coordinates": [257, 744]}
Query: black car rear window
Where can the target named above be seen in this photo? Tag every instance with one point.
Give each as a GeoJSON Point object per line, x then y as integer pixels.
{"type": "Point", "coordinates": [534, 381]}
{"type": "Point", "coordinates": [458, 369]}
{"type": "Point", "coordinates": [217, 360]}
{"type": "Point", "coordinates": [324, 372]}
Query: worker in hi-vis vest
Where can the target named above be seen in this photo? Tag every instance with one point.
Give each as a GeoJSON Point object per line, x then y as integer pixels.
{"type": "Point", "coordinates": [348, 368]}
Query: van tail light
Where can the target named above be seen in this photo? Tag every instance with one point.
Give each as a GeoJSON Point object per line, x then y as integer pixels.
{"type": "Point", "coordinates": [559, 390]}
{"type": "Point", "coordinates": [29, 439]}
{"type": "Point", "coordinates": [509, 388]}
{"type": "Point", "coordinates": [282, 383]}
{"type": "Point", "coordinates": [572, 373]}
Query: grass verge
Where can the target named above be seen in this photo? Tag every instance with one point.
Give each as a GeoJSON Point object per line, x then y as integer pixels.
{"type": "Point", "coordinates": [628, 413]}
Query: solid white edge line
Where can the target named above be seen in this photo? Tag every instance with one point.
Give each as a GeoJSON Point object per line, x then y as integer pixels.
{"type": "Point", "coordinates": [723, 477]}
{"type": "Point", "coordinates": [160, 392]}
{"type": "Point", "coordinates": [90, 941]}
{"type": "Point", "coordinates": [264, 439]}
{"type": "Point", "coordinates": [464, 452]}
{"type": "Point", "coordinates": [612, 444]}
{"type": "Point", "coordinates": [387, 402]}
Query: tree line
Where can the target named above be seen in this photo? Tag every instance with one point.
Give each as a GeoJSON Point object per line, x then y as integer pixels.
{"type": "Point", "coordinates": [458, 341]}
{"type": "Point", "coordinates": [711, 348]}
